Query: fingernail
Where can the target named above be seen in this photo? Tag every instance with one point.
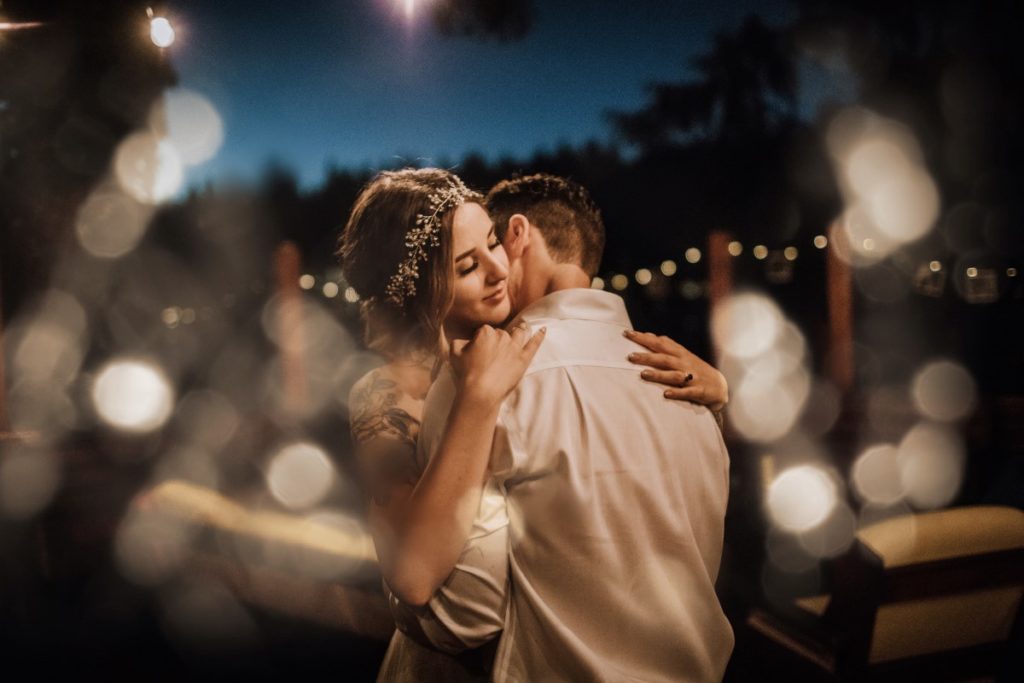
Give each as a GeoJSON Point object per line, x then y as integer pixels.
{"type": "Point", "coordinates": [544, 329]}
{"type": "Point", "coordinates": [668, 394]}
{"type": "Point", "coordinates": [645, 374]}
{"type": "Point", "coordinates": [627, 333]}
{"type": "Point", "coordinates": [631, 356]}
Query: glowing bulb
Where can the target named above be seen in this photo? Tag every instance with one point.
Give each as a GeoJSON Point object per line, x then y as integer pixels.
{"type": "Point", "coordinates": [620, 281]}
{"type": "Point", "coordinates": [692, 255]}
{"type": "Point", "coordinates": [820, 241]}
{"type": "Point", "coordinates": [790, 253]}
{"type": "Point", "coordinates": [760, 252]}
{"type": "Point", "coordinates": [643, 276]}
{"type": "Point", "coordinates": [330, 289]}
{"type": "Point", "coordinates": [668, 268]}
{"type": "Point", "coordinates": [307, 281]}
{"type": "Point", "coordinates": [350, 295]}
{"type": "Point", "coordinates": [161, 32]}
{"type": "Point", "coordinates": [972, 272]}
{"type": "Point", "coordinates": [132, 395]}
{"type": "Point", "coordinates": [944, 391]}
{"type": "Point", "coordinates": [935, 266]}
{"type": "Point", "coordinates": [735, 248]}
{"type": "Point", "coordinates": [597, 283]}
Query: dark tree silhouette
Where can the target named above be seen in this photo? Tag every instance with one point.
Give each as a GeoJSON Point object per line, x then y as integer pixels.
{"type": "Point", "coordinates": [502, 19]}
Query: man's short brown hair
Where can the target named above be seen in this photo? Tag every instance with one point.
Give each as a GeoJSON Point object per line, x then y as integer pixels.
{"type": "Point", "coordinates": [561, 209]}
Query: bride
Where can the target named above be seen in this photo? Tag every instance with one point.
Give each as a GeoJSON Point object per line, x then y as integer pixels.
{"type": "Point", "coordinates": [412, 250]}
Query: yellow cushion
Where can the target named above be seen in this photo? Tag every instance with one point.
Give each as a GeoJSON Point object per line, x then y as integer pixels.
{"type": "Point", "coordinates": [942, 534]}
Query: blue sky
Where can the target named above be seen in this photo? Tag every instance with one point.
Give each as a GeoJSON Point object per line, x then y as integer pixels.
{"type": "Point", "coordinates": [352, 83]}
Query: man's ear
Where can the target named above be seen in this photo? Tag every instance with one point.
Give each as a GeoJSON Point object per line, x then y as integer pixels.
{"type": "Point", "coordinates": [517, 237]}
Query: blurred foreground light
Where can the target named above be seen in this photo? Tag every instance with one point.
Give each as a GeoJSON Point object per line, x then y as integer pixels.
{"type": "Point", "coordinates": [307, 281]}
{"type": "Point", "coordinates": [735, 248]}
{"type": "Point", "coordinates": [764, 409]}
{"type": "Point", "coordinates": [300, 475]}
{"type": "Point", "coordinates": [50, 348]}
{"type": "Point", "coordinates": [935, 266]}
{"type": "Point", "coordinates": [596, 283]}
{"type": "Point", "coordinates": [668, 268]}
{"type": "Point", "coordinates": [203, 617]}
{"type": "Point", "coordinates": [150, 546]}
{"type": "Point", "coordinates": [692, 255]}
{"type": "Point", "coordinates": [833, 536]}
{"type": "Point", "coordinates": [190, 123]}
{"type": "Point", "coordinates": [746, 325]}
{"type": "Point", "coordinates": [944, 391]}
{"type": "Point", "coordinates": [801, 498]}
{"type": "Point", "coordinates": [148, 168]}
{"type": "Point", "coordinates": [110, 223]}
{"type": "Point", "coordinates": [760, 252]}
{"type": "Point", "coordinates": [352, 296]}
{"type": "Point", "coordinates": [790, 253]}
{"type": "Point", "coordinates": [132, 395]}
{"type": "Point", "coordinates": [972, 272]}
{"type": "Point", "coordinates": [161, 32]}
{"type": "Point", "coordinates": [931, 464]}
{"type": "Point", "coordinates": [620, 281]}
{"type": "Point", "coordinates": [820, 241]}
{"type": "Point", "coordinates": [876, 475]}
{"type": "Point", "coordinates": [330, 289]}
{"type": "Point", "coordinates": [28, 479]}
{"type": "Point", "coordinates": [643, 276]}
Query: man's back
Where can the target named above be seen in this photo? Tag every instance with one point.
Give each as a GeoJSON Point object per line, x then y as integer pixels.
{"type": "Point", "coordinates": [616, 500]}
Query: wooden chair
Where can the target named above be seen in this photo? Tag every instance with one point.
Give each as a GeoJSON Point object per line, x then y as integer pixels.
{"type": "Point", "coordinates": [931, 596]}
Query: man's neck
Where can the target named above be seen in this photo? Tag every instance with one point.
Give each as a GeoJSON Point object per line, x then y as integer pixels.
{"type": "Point", "coordinates": [566, 276]}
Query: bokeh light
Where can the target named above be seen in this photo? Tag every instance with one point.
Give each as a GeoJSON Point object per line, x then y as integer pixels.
{"type": "Point", "coordinates": [330, 289]}
{"type": "Point", "coordinates": [820, 241]}
{"type": "Point", "coordinates": [876, 475]}
{"type": "Point", "coordinates": [931, 464]}
{"type": "Point", "coordinates": [190, 123]}
{"type": "Point", "coordinates": [596, 283]}
{"type": "Point", "coordinates": [620, 281]}
{"type": "Point", "coordinates": [148, 167]}
{"type": "Point", "coordinates": [801, 498]}
{"type": "Point", "coordinates": [307, 281]}
{"type": "Point", "coordinates": [643, 276]}
{"type": "Point", "coordinates": [746, 324]}
{"type": "Point", "coordinates": [352, 296]}
{"type": "Point", "coordinates": [668, 268]}
{"type": "Point", "coordinates": [29, 478]}
{"type": "Point", "coordinates": [111, 223]}
{"type": "Point", "coordinates": [833, 536]}
{"type": "Point", "coordinates": [944, 390]}
{"type": "Point", "coordinates": [692, 255]}
{"type": "Point", "coordinates": [760, 252]}
{"type": "Point", "coordinates": [132, 395]}
{"type": "Point", "coordinates": [735, 248]}
{"type": "Point", "coordinates": [300, 475]}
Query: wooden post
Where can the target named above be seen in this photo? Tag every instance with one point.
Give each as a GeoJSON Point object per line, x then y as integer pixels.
{"type": "Point", "coordinates": [839, 275]}
{"type": "Point", "coordinates": [287, 263]}
{"type": "Point", "coordinates": [720, 274]}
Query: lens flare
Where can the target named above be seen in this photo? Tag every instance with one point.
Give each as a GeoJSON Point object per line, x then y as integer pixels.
{"type": "Point", "coordinates": [148, 168]}
{"type": "Point", "coordinates": [132, 395]}
{"type": "Point", "coordinates": [300, 475]}
{"type": "Point", "coordinates": [944, 391]}
{"type": "Point", "coordinates": [931, 464]}
{"type": "Point", "coordinates": [801, 498]}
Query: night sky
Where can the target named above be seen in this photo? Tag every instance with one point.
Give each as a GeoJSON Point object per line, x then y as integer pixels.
{"type": "Point", "coordinates": [353, 83]}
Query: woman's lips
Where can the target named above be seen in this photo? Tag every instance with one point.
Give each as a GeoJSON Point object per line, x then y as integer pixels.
{"type": "Point", "coordinates": [496, 297]}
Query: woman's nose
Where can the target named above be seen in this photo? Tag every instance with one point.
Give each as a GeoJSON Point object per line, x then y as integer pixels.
{"type": "Point", "coordinates": [495, 268]}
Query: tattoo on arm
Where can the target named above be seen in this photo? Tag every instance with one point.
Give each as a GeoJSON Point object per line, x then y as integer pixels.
{"type": "Point", "coordinates": [385, 438]}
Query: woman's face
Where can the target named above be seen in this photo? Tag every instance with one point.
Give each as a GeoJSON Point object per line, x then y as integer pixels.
{"type": "Point", "coordinates": [480, 273]}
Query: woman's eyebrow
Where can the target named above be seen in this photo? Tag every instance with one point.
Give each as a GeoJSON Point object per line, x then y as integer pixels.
{"type": "Point", "coordinates": [465, 254]}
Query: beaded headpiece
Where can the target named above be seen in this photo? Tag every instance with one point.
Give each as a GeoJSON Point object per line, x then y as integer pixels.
{"type": "Point", "coordinates": [425, 234]}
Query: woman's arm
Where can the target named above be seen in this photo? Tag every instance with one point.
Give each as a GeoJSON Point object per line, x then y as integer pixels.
{"type": "Point", "coordinates": [688, 377]}
{"type": "Point", "coordinates": [420, 527]}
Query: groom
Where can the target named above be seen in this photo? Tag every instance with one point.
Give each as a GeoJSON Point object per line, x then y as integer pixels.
{"type": "Point", "coordinates": [615, 495]}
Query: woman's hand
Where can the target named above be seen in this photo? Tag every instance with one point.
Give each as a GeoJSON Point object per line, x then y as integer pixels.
{"type": "Point", "coordinates": [688, 377]}
{"type": "Point", "coordinates": [490, 365]}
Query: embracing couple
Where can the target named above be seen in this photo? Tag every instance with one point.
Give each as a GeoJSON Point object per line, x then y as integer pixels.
{"type": "Point", "coordinates": [541, 510]}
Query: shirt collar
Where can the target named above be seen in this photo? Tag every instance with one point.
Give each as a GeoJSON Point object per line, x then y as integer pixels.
{"type": "Point", "coordinates": [577, 303]}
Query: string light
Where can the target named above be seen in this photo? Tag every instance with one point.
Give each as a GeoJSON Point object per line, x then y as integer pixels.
{"type": "Point", "coordinates": [668, 268]}
{"type": "Point", "coordinates": [760, 252]}
{"type": "Point", "coordinates": [790, 253]}
{"type": "Point", "coordinates": [935, 266]}
{"type": "Point", "coordinates": [735, 248]}
{"type": "Point", "coordinates": [330, 289]}
{"type": "Point", "coordinates": [597, 283]}
{"type": "Point", "coordinates": [620, 281]}
{"type": "Point", "coordinates": [161, 32]}
{"type": "Point", "coordinates": [692, 255]}
{"type": "Point", "coordinates": [972, 272]}
{"type": "Point", "coordinates": [307, 281]}
{"type": "Point", "coordinates": [643, 276]}
{"type": "Point", "coordinates": [1011, 272]}
{"type": "Point", "coordinates": [820, 241]}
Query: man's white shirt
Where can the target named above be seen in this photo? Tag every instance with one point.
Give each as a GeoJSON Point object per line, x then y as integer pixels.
{"type": "Point", "coordinates": [599, 536]}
